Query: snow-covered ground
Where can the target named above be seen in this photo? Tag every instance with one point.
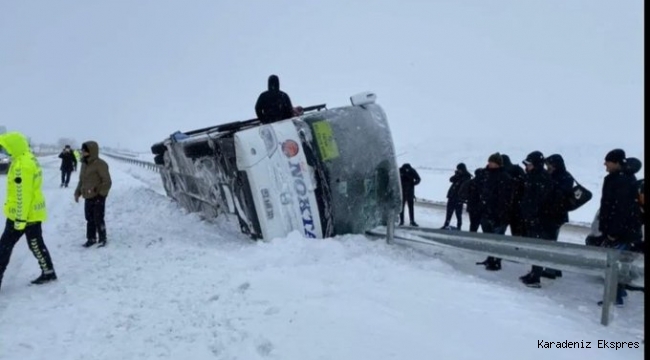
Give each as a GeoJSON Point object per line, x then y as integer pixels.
{"type": "Point", "coordinates": [169, 286]}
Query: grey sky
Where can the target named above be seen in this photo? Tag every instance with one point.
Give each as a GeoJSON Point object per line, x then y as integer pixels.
{"type": "Point", "coordinates": [132, 72]}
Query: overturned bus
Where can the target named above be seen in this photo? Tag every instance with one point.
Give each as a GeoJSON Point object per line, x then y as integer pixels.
{"type": "Point", "coordinates": [323, 173]}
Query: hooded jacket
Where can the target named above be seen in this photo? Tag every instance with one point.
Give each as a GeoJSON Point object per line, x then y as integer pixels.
{"type": "Point", "coordinates": [68, 161]}
{"type": "Point", "coordinates": [537, 193]}
{"type": "Point", "coordinates": [460, 177]}
{"type": "Point", "coordinates": [273, 105]}
{"type": "Point", "coordinates": [94, 177]}
{"type": "Point", "coordinates": [562, 190]}
{"type": "Point", "coordinates": [25, 201]}
{"type": "Point", "coordinates": [409, 178]}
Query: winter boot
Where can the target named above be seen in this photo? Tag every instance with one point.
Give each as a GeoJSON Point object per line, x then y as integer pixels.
{"type": "Point", "coordinates": [102, 236]}
{"type": "Point", "coordinates": [619, 303]}
{"type": "Point", "coordinates": [413, 223]}
{"type": "Point", "coordinates": [548, 273]}
{"type": "Point", "coordinates": [531, 281]}
{"type": "Point", "coordinates": [90, 243]}
{"type": "Point", "coordinates": [492, 264]}
{"type": "Point", "coordinates": [45, 277]}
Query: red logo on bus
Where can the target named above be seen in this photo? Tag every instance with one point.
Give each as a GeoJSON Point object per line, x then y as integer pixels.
{"type": "Point", "coordinates": [290, 148]}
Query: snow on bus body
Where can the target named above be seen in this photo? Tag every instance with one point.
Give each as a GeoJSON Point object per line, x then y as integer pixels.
{"type": "Point", "coordinates": [282, 184]}
{"type": "Point", "coordinates": [327, 173]}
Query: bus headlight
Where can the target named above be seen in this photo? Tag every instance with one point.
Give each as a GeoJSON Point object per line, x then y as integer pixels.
{"type": "Point", "coordinates": [270, 141]}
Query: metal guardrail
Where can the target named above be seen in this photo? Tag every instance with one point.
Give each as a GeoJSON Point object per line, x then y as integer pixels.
{"type": "Point", "coordinates": [579, 226]}
{"type": "Point", "coordinates": [617, 266]}
{"type": "Point", "coordinates": [145, 164]}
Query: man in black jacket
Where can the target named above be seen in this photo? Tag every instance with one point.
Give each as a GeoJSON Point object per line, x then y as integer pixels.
{"type": "Point", "coordinates": [535, 202]}
{"type": "Point", "coordinates": [454, 203]}
{"type": "Point", "coordinates": [273, 105]}
{"type": "Point", "coordinates": [619, 219]}
{"type": "Point", "coordinates": [517, 174]}
{"type": "Point", "coordinates": [469, 193]}
{"type": "Point", "coordinates": [557, 214]}
{"type": "Point", "coordinates": [68, 165]}
{"type": "Point", "coordinates": [409, 179]}
{"type": "Point", "coordinates": [495, 192]}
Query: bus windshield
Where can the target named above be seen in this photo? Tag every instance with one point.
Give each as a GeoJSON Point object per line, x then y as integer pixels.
{"type": "Point", "coordinates": [356, 168]}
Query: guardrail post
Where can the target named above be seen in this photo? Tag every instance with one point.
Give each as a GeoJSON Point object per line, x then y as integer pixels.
{"type": "Point", "coordinates": [390, 227]}
{"type": "Point", "coordinates": [611, 284]}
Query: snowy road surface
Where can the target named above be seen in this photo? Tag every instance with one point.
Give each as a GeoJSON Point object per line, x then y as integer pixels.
{"type": "Point", "coordinates": [169, 286]}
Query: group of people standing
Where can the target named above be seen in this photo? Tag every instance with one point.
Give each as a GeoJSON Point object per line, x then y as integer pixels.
{"type": "Point", "coordinates": [25, 205]}
{"type": "Point", "coordinates": [535, 200]}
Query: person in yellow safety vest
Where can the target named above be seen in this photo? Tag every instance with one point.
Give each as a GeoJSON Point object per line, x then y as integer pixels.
{"type": "Point", "coordinates": [77, 156]}
{"type": "Point", "coordinates": [24, 206]}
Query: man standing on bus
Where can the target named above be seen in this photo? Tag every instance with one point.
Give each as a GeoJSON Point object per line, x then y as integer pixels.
{"type": "Point", "coordinates": [273, 105]}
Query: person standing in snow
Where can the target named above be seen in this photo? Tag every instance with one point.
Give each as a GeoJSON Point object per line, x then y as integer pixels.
{"type": "Point", "coordinates": [273, 104]}
{"type": "Point", "coordinates": [495, 194]}
{"type": "Point", "coordinates": [24, 206]}
{"type": "Point", "coordinates": [469, 193]}
{"type": "Point", "coordinates": [94, 185]}
{"type": "Point", "coordinates": [409, 179]}
{"type": "Point", "coordinates": [557, 214]}
{"type": "Point", "coordinates": [619, 217]}
{"type": "Point", "coordinates": [454, 204]}
{"type": "Point", "coordinates": [517, 174]}
{"type": "Point", "coordinates": [68, 165]}
{"type": "Point", "coordinates": [535, 202]}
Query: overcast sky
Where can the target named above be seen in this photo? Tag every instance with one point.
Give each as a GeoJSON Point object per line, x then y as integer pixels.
{"type": "Point", "coordinates": [130, 72]}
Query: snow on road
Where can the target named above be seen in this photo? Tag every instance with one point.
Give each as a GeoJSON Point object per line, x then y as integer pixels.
{"type": "Point", "coordinates": [169, 286]}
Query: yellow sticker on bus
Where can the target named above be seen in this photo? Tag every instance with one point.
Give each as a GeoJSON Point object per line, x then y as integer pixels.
{"type": "Point", "coordinates": [325, 139]}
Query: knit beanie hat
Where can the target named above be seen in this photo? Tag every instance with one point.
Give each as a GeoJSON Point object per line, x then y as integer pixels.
{"type": "Point", "coordinates": [616, 156]}
{"type": "Point", "coordinates": [496, 158]}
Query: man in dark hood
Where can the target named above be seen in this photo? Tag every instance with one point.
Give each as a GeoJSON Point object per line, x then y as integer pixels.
{"type": "Point", "coordinates": [273, 105]}
{"type": "Point", "coordinates": [517, 174]}
{"type": "Point", "coordinates": [409, 179]}
{"type": "Point", "coordinates": [454, 203]}
{"type": "Point", "coordinates": [557, 214]}
{"type": "Point", "coordinates": [68, 165]}
{"type": "Point", "coordinates": [534, 205]}
{"type": "Point", "coordinates": [94, 185]}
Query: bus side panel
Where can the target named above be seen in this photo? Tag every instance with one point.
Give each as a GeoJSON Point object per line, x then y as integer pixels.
{"type": "Point", "coordinates": [282, 184]}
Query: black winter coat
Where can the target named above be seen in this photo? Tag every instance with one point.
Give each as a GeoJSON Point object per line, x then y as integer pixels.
{"type": "Point", "coordinates": [562, 190]}
{"type": "Point", "coordinates": [536, 197]}
{"type": "Point", "coordinates": [273, 104]}
{"type": "Point", "coordinates": [68, 161]}
{"type": "Point", "coordinates": [495, 193]}
{"type": "Point", "coordinates": [619, 211]}
{"type": "Point", "coordinates": [457, 180]}
{"type": "Point", "coordinates": [470, 194]}
{"type": "Point", "coordinates": [409, 178]}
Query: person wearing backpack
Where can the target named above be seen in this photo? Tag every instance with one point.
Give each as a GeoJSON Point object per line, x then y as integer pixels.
{"type": "Point", "coordinates": [556, 211]}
